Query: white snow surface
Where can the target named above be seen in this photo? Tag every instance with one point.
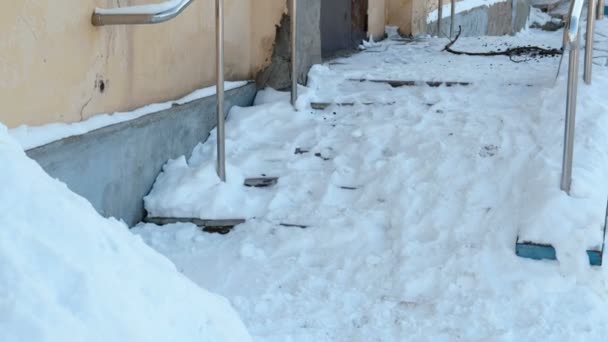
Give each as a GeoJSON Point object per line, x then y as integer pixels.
{"type": "Point", "coordinates": [461, 6]}
{"type": "Point", "coordinates": [413, 198]}
{"type": "Point", "coordinates": [34, 136]}
{"type": "Point", "coordinates": [422, 60]}
{"type": "Point", "coordinates": [392, 32]}
{"type": "Point", "coordinates": [539, 17]}
{"type": "Point", "coordinates": [67, 274]}
{"type": "Point", "coordinates": [575, 18]}
{"type": "Point", "coordinates": [141, 9]}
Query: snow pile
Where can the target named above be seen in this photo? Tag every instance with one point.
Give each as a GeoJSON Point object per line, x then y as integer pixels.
{"type": "Point", "coordinates": [192, 188]}
{"type": "Point", "coordinates": [551, 216]}
{"type": "Point", "coordinates": [366, 44]}
{"type": "Point", "coordinates": [538, 17]}
{"type": "Point", "coordinates": [67, 274]}
{"type": "Point", "coordinates": [398, 208]}
{"type": "Point", "coordinates": [178, 187]}
{"type": "Point", "coordinates": [392, 32]}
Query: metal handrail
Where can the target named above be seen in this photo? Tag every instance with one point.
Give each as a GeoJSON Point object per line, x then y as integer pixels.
{"type": "Point", "coordinates": [576, 11]}
{"type": "Point", "coordinates": [294, 49]}
{"type": "Point", "coordinates": [589, 41]}
{"type": "Point", "coordinates": [138, 15]}
{"type": "Point", "coordinates": [572, 41]}
{"type": "Point", "coordinates": [439, 17]}
{"type": "Point", "coordinates": [452, 15]}
{"type": "Point", "coordinates": [219, 83]}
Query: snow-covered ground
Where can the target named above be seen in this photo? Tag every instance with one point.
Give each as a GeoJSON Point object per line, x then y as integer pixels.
{"type": "Point", "coordinates": [412, 198]}
{"type": "Point", "coordinates": [67, 274]}
{"type": "Point", "coordinates": [421, 61]}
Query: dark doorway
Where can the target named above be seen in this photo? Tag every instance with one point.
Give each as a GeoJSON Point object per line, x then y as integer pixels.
{"type": "Point", "coordinates": [343, 25]}
{"type": "Point", "coordinates": [359, 20]}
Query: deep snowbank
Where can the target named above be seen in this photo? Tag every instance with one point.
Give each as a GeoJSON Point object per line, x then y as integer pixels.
{"type": "Point", "coordinates": [67, 274]}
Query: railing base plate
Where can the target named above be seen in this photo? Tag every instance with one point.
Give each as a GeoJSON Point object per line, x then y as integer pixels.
{"type": "Point", "coordinates": [536, 251]}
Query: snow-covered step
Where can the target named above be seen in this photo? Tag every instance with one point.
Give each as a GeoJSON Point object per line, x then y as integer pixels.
{"type": "Point", "coordinates": [324, 105]}
{"type": "Point", "coordinates": [434, 84]}
{"type": "Point", "coordinates": [261, 182]}
{"type": "Point", "coordinates": [427, 61]}
{"type": "Point", "coordinates": [210, 226]}
{"type": "Point", "coordinates": [412, 83]}
{"type": "Point", "coordinates": [294, 225]}
{"type": "Point", "coordinates": [461, 172]}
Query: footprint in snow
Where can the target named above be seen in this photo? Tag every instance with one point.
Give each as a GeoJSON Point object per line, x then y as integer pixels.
{"type": "Point", "coordinates": [488, 151]}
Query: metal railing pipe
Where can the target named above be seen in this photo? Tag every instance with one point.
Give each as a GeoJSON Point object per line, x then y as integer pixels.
{"type": "Point", "coordinates": [294, 52]}
{"type": "Point", "coordinates": [139, 15]}
{"type": "Point", "coordinates": [589, 42]}
{"type": "Point", "coordinates": [573, 37]}
{"type": "Point", "coordinates": [566, 37]}
{"type": "Point", "coordinates": [135, 15]}
{"type": "Point", "coordinates": [568, 158]}
{"type": "Point", "coordinates": [576, 11]}
{"type": "Point", "coordinates": [452, 15]}
{"type": "Point", "coordinates": [439, 17]}
{"type": "Point", "coordinates": [600, 10]}
{"type": "Point", "coordinates": [221, 132]}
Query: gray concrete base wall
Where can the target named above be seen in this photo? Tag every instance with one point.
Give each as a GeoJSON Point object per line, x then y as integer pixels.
{"type": "Point", "coordinates": [502, 18]}
{"type": "Point", "coordinates": [115, 167]}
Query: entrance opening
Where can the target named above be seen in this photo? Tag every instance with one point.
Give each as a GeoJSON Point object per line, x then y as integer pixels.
{"type": "Point", "coordinates": [343, 26]}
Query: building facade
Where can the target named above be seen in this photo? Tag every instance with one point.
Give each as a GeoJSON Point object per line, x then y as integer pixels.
{"type": "Point", "coordinates": [57, 67]}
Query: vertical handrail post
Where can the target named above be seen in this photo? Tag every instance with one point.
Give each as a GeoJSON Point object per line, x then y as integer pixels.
{"type": "Point", "coordinates": [566, 180]}
{"type": "Point", "coordinates": [221, 138]}
{"type": "Point", "coordinates": [589, 42]}
{"type": "Point", "coordinates": [452, 15]}
{"type": "Point", "coordinates": [294, 50]}
{"type": "Point", "coordinates": [439, 17]}
{"type": "Point", "coordinates": [600, 10]}
{"type": "Point", "coordinates": [565, 39]}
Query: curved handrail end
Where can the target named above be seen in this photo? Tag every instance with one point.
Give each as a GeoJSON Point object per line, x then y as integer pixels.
{"type": "Point", "coordinates": [138, 15]}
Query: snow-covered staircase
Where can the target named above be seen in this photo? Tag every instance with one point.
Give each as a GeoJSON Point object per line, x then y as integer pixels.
{"type": "Point", "coordinates": [404, 127]}
{"type": "Point", "coordinates": [398, 209]}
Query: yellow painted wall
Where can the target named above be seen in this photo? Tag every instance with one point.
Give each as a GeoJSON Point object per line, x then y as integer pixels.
{"type": "Point", "coordinates": [52, 59]}
{"type": "Point", "coordinates": [399, 13]}
{"type": "Point", "coordinates": [377, 18]}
